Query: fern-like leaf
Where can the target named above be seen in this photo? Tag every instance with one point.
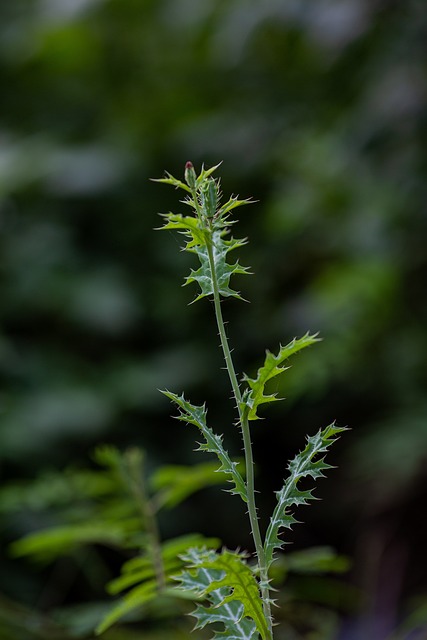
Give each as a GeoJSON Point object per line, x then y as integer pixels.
{"type": "Point", "coordinates": [135, 599]}
{"type": "Point", "coordinates": [138, 576]}
{"type": "Point", "coordinates": [227, 582]}
{"type": "Point", "coordinates": [48, 544]}
{"type": "Point", "coordinates": [193, 414]}
{"type": "Point", "coordinates": [304, 464]}
{"type": "Point", "coordinates": [141, 568]}
{"type": "Point", "coordinates": [174, 483]}
{"type": "Point", "coordinates": [271, 368]}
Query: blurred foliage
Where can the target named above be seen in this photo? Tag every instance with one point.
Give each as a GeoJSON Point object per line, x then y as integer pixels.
{"type": "Point", "coordinates": [110, 506]}
{"type": "Point", "coordinates": [318, 110]}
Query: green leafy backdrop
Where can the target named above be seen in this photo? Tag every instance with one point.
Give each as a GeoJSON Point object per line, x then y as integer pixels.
{"type": "Point", "coordinates": [318, 110]}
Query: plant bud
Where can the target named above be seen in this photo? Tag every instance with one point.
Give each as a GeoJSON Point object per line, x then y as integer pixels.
{"type": "Point", "coordinates": [190, 175]}
{"type": "Point", "coordinates": [210, 197]}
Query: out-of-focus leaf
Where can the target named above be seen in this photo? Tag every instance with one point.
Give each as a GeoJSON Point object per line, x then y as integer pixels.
{"type": "Point", "coordinates": [140, 576]}
{"type": "Point", "coordinates": [314, 560]}
{"type": "Point", "coordinates": [175, 483]}
{"type": "Point", "coordinates": [57, 541]}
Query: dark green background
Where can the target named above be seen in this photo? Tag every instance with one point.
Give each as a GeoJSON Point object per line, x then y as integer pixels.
{"type": "Point", "coordinates": [318, 111]}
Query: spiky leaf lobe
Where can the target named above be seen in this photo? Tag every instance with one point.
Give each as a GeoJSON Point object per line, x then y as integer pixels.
{"type": "Point", "coordinates": [272, 367]}
{"type": "Point", "coordinates": [206, 231]}
{"type": "Point", "coordinates": [308, 463]}
{"type": "Point", "coordinates": [193, 414]}
{"type": "Point", "coordinates": [227, 582]}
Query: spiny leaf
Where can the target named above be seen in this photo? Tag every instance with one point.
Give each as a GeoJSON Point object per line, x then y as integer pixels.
{"type": "Point", "coordinates": [205, 173]}
{"type": "Point", "coordinates": [191, 227]}
{"type": "Point", "coordinates": [239, 579]}
{"type": "Point", "coordinates": [231, 615]}
{"type": "Point", "coordinates": [177, 546]}
{"type": "Point", "coordinates": [193, 414]}
{"type": "Point", "coordinates": [198, 238]}
{"type": "Point", "coordinates": [233, 203]}
{"type": "Point", "coordinates": [303, 465]}
{"type": "Point", "coordinates": [205, 231]}
{"type": "Point", "coordinates": [271, 368]}
{"type": "Point", "coordinates": [173, 181]}
{"type": "Point", "coordinates": [227, 582]}
{"type": "Point", "coordinates": [223, 270]}
{"type": "Point", "coordinates": [170, 179]}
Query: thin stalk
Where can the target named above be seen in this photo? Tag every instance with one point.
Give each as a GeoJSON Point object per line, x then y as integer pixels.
{"type": "Point", "coordinates": [250, 481]}
{"type": "Point", "coordinates": [145, 506]}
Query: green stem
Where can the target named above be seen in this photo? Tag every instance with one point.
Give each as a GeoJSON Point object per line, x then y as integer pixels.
{"type": "Point", "coordinates": [244, 423]}
{"type": "Point", "coordinates": [223, 336]}
{"type": "Point", "coordinates": [137, 485]}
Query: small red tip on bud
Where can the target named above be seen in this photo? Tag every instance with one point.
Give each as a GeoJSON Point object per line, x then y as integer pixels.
{"type": "Point", "coordinates": [190, 175]}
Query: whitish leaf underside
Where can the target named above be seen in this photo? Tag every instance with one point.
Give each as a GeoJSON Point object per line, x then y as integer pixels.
{"type": "Point", "coordinates": [229, 585]}
{"type": "Point", "coordinates": [223, 270]}
{"type": "Point", "coordinates": [198, 238]}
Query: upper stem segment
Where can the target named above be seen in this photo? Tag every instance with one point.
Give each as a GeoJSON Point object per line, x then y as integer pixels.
{"type": "Point", "coordinates": [244, 424]}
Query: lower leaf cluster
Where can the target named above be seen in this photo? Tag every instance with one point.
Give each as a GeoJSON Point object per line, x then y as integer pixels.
{"type": "Point", "coordinates": [227, 582]}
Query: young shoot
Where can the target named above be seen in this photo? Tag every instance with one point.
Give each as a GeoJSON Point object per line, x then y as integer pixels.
{"type": "Point", "coordinates": [236, 592]}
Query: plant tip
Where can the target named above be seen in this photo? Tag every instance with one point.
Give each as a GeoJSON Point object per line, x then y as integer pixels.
{"type": "Point", "coordinates": [190, 175]}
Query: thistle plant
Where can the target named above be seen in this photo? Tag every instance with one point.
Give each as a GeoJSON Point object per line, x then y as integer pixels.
{"type": "Point", "coordinates": [232, 588]}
